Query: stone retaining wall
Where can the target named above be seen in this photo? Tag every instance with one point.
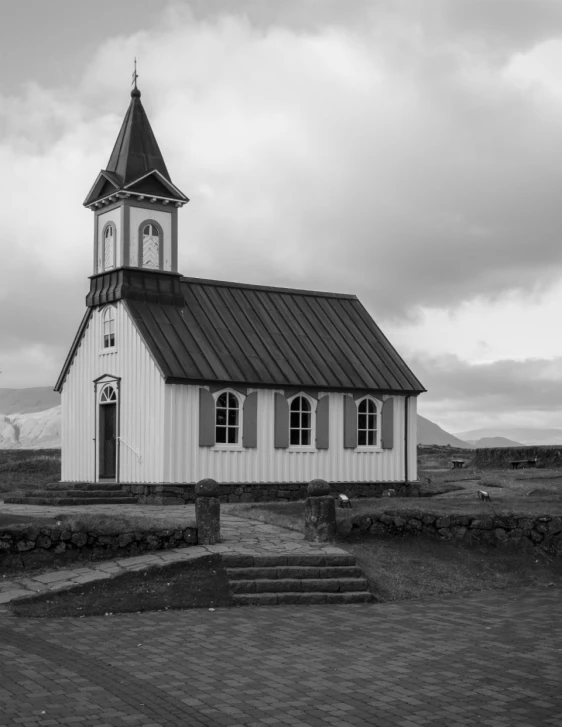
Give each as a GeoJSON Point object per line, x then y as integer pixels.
{"type": "Point", "coordinates": [163, 494]}
{"type": "Point", "coordinates": [543, 532]}
{"type": "Point", "coordinates": [24, 546]}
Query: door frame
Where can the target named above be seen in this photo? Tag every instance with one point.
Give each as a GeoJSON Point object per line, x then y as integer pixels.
{"type": "Point", "coordinates": [99, 385]}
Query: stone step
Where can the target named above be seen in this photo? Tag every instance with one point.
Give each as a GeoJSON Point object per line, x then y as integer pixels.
{"type": "Point", "coordinates": [77, 493]}
{"type": "Point", "coordinates": [305, 598]}
{"type": "Point", "coordinates": [306, 585]}
{"type": "Point", "coordinates": [297, 572]}
{"type": "Point", "coordinates": [76, 486]}
{"type": "Point", "coordinates": [70, 501]}
{"type": "Point", "coordinates": [241, 560]}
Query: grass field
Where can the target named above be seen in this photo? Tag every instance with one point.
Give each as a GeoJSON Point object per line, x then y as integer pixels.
{"type": "Point", "coordinates": [27, 469]}
{"type": "Point", "coordinates": [397, 567]}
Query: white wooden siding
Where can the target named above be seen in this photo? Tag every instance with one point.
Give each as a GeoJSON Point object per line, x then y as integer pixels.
{"type": "Point", "coordinates": [186, 461]}
{"type": "Point", "coordinates": [141, 405]}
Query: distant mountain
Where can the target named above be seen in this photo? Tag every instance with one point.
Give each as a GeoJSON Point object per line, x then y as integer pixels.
{"type": "Point", "coordinates": [36, 430]}
{"type": "Point", "coordinates": [430, 433]}
{"type": "Point", "coordinates": [526, 435]}
{"type": "Point", "coordinates": [25, 401]}
{"type": "Point", "coordinates": [495, 442]}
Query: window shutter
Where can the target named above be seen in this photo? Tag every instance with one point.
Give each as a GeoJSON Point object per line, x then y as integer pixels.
{"type": "Point", "coordinates": [323, 423]}
{"type": "Point", "coordinates": [281, 429]}
{"type": "Point", "coordinates": [387, 425]}
{"type": "Point", "coordinates": [250, 421]}
{"type": "Point", "coordinates": [206, 419]}
{"type": "Point", "coordinates": [349, 422]}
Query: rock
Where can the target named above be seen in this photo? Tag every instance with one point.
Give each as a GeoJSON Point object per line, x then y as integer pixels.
{"type": "Point", "coordinates": [127, 538]}
{"type": "Point", "coordinates": [5, 546]}
{"type": "Point", "coordinates": [525, 523]}
{"type": "Point", "coordinates": [23, 545]}
{"type": "Point", "coordinates": [61, 547]}
{"type": "Point", "coordinates": [445, 533]}
{"type": "Point", "coordinates": [44, 541]}
{"type": "Point", "coordinates": [344, 528]}
{"type": "Point", "coordinates": [443, 522]}
{"type": "Point", "coordinates": [483, 524]}
{"type": "Point", "coordinates": [535, 536]}
{"type": "Point", "coordinates": [500, 534]}
{"type": "Point", "coordinates": [318, 488]}
{"type": "Point", "coordinates": [459, 531]}
{"type": "Point", "coordinates": [79, 539]}
{"type": "Point", "coordinates": [364, 523]}
{"type": "Point", "coordinates": [398, 521]}
{"type": "Point", "coordinates": [554, 526]}
{"type": "Point", "coordinates": [207, 488]}
{"type": "Point", "coordinates": [414, 524]}
{"type": "Point", "coordinates": [428, 519]}
{"type": "Point", "coordinates": [389, 493]}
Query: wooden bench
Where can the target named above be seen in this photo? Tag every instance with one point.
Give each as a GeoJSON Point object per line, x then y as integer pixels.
{"type": "Point", "coordinates": [457, 463]}
{"type": "Point", "coordinates": [515, 463]}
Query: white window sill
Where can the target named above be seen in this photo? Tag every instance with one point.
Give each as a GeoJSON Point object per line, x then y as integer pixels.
{"type": "Point", "coordinates": [105, 351]}
{"type": "Point", "coordinates": [360, 450]}
{"type": "Point", "coordinates": [302, 449]}
{"type": "Point", "coordinates": [227, 448]}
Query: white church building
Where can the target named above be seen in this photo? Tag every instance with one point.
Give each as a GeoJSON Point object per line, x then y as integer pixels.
{"type": "Point", "coordinates": [170, 379]}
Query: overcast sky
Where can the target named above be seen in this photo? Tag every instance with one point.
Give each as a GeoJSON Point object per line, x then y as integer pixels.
{"type": "Point", "coordinates": [408, 152]}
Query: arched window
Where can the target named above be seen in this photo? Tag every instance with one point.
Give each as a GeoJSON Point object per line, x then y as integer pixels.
{"type": "Point", "coordinates": [109, 247]}
{"type": "Point", "coordinates": [227, 419]}
{"type": "Point", "coordinates": [108, 327]}
{"type": "Point", "coordinates": [300, 422]}
{"type": "Point", "coordinates": [367, 423]}
{"type": "Point", "coordinates": [108, 394]}
{"type": "Point", "coordinates": [151, 243]}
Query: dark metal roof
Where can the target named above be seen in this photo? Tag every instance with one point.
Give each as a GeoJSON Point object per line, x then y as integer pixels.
{"type": "Point", "coordinates": [136, 150]}
{"type": "Point", "coordinates": [263, 336]}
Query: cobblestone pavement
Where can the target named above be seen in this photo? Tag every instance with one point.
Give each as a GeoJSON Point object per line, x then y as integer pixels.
{"type": "Point", "coordinates": [479, 659]}
{"type": "Point", "coordinates": [237, 535]}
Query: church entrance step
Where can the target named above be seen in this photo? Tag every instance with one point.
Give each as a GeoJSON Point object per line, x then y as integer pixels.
{"type": "Point", "coordinates": [263, 580]}
{"type": "Point", "coordinates": [86, 486]}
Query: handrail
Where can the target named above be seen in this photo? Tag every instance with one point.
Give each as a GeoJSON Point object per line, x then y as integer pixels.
{"type": "Point", "coordinates": [139, 456]}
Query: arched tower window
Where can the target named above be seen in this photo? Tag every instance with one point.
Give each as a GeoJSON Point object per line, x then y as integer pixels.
{"type": "Point", "coordinates": [151, 244]}
{"type": "Point", "coordinates": [227, 419]}
{"type": "Point", "coordinates": [109, 247]}
{"type": "Point", "coordinates": [300, 422]}
{"type": "Point", "coordinates": [108, 327]}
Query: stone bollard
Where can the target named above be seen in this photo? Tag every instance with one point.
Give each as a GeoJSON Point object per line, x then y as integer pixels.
{"type": "Point", "coordinates": [207, 512]}
{"type": "Point", "coordinates": [319, 513]}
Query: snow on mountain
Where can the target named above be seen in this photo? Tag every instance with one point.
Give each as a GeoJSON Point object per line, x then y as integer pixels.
{"type": "Point", "coordinates": [36, 430]}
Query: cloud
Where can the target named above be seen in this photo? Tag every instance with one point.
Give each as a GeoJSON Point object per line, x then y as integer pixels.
{"type": "Point", "coordinates": [379, 151]}
{"type": "Point", "coordinates": [511, 392]}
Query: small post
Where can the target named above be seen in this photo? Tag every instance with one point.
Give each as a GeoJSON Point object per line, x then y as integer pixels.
{"type": "Point", "coordinates": [207, 512]}
{"type": "Point", "coordinates": [319, 513]}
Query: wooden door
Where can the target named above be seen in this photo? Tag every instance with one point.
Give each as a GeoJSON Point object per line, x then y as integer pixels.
{"type": "Point", "coordinates": [108, 441]}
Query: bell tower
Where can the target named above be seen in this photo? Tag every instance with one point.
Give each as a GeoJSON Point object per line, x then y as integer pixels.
{"type": "Point", "coordinates": [135, 205]}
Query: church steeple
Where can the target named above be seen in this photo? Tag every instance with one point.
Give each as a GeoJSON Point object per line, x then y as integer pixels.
{"type": "Point", "coordinates": [136, 151]}
{"type": "Point", "coordinates": [135, 201]}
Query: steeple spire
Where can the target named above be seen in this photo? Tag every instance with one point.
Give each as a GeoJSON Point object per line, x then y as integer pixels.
{"type": "Point", "coordinates": [136, 165]}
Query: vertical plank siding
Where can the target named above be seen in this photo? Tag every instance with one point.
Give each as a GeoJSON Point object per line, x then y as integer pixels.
{"type": "Point", "coordinates": [141, 405]}
{"type": "Point", "coordinates": [186, 461]}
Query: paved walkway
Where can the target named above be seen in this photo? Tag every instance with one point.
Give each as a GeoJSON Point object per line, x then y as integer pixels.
{"type": "Point", "coordinates": [491, 659]}
{"type": "Point", "coordinates": [237, 535]}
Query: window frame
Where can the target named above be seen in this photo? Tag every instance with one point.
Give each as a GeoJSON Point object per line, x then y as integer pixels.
{"type": "Point", "coordinates": [108, 225]}
{"type": "Point", "coordinates": [158, 226]}
{"type": "Point", "coordinates": [313, 404]}
{"type": "Point", "coordinates": [240, 398]}
{"type": "Point", "coordinates": [103, 318]}
{"type": "Point", "coordinates": [378, 413]}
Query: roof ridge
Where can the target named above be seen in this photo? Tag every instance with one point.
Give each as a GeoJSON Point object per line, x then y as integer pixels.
{"type": "Point", "coordinates": [272, 288]}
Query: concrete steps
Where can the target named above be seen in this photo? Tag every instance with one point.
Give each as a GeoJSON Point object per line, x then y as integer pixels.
{"type": "Point", "coordinates": [268, 580]}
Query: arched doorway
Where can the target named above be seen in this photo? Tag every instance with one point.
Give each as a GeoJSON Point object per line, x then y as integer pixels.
{"type": "Point", "coordinates": [108, 432]}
